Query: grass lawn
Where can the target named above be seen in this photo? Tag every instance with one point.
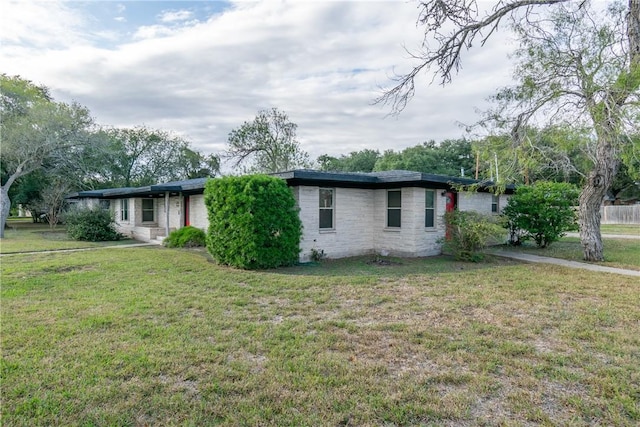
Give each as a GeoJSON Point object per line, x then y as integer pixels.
{"type": "Point", "coordinates": [620, 229]}
{"type": "Point", "coordinates": [25, 236]}
{"type": "Point", "coordinates": [156, 336]}
{"type": "Point", "coordinates": [622, 253]}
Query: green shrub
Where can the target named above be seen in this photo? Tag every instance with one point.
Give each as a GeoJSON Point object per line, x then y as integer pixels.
{"type": "Point", "coordinates": [253, 222]}
{"type": "Point", "coordinates": [469, 232]}
{"type": "Point", "coordinates": [542, 212]}
{"type": "Point", "coordinates": [91, 224]}
{"type": "Point", "coordinates": [186, 237]}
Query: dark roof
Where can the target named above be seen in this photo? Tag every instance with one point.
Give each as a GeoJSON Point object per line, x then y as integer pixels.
{"type": "Point", "coordinates": [385, 179]}
{"type": "Point", "coordinates": [187, 186]}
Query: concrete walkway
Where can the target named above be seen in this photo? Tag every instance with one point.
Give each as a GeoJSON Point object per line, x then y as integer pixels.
{"type": "Point", "coordinates": [611, 236]}
{"type": "Point", "coordinates": [562, 262]}
{"type": "Point", "coordinates": [132, 245]}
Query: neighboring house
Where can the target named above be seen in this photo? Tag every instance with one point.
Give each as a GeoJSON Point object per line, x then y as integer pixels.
{"type": "Point", "coordinates": [343, 214]}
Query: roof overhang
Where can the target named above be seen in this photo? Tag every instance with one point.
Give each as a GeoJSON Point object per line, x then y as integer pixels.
{"type": "Point", "coordinates": [186, 187]}
{"type": "Point", "coordinates": [372, 180]}
{"type": "Point", "coordinates": [386, 179]}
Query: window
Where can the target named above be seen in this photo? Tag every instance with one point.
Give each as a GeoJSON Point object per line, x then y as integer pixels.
{"type": "Point", "coordinates": [394, 204]}
{"type": "Point", "coordinates": [104, 205]}
{"type": "Point", "coordinates": [148, 210]}
{"type": "Point", "coordinates": [430, 208]}
{"type": "Point", "coordinates": [494, 203]}
{"type": "Point", "coordinates": [326, 208]}
{"type": "Point", "coordinates": [124, 209]}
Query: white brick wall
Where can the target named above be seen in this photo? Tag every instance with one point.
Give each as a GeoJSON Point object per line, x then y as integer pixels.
{"type": "Point", "coordinates": [359, 220]}
{"type": "Point", "coordinates": [353, 222]}
{"type": "Point", "coordinates": [412, 238]}
{"type": "Point", "coordinates": [198, 212]}
{"type": "Point", "coordinates": [480, 202]}
{"type": "Point", "coordinates": [360, 224]}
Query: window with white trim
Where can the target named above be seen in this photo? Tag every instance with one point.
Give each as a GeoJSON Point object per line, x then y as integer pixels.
{"type": "Point", "coordinates": [430, 208]}
{"type": "Point", "coordinates": [326, 204]}
{"type": "Point", "coordinates": [394, 208]}
{"type": "Point", "coordinates": [148, 210]}
{"type": "Point", "coordinates": [124, 209]}
{"type": "Point", "coordinates": [495, 203]}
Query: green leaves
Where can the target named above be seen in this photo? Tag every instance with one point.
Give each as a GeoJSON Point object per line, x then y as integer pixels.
{"type": "Point", "coordinates": [468, 232]}
{"type": "Point", "coordinates": [542, 212]}
{"type": "Point", "coordinates": [143, 156]}
{"type": "Point", "coordinates": [267, 144]}
{"type": "Point", "coordinates": [186, 237]}
{"type": "Point", "coordinates": [93, 225]}
{"type": "Point", "coordinates": [253, 222]}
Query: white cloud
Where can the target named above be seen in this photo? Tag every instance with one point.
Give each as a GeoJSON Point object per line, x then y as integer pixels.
{"type": "Point", "coordinates": [153, 31]}
{"type": "Point", "coordinates": [171, 16]}
{"type": "Point", "coordinates": [321, 62]}
{"type": "Point", "coordinates": [40, 24]}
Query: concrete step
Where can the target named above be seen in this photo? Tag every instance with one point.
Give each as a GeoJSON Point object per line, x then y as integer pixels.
{"type": "Point", "coordinates": [158, 240]}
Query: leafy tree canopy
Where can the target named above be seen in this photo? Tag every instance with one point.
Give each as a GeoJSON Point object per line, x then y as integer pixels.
{"type": "Point", "coordinates": [36, 131]}
{"type": "Point", "coordinates": [268, 144]}
{"type": "Point", "coordinates": [356, 161]}
{"type": "Point", "coordinates": [144, 156]}
{"type": "Point", "coordinates": [451, 157]}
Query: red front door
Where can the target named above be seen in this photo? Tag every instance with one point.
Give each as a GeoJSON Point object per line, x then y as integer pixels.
{"type": "Point", "coordinates": [451, 201]}
{"type": "Point", "coordinates": [450, 206]}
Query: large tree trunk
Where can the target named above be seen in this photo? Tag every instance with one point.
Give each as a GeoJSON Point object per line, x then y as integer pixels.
{"type": "Point", "coordinates": [589, 217]}
{"type": "Point", "coordinates": [5, 207]}
{"type": "Point", "coordinates": [607, 120]}
{"type": "Point", "coordinates": [593, 194]}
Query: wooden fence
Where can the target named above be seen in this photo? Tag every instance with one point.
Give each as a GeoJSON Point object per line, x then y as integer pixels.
{"type": "Point", "coordinates": [620, 214]}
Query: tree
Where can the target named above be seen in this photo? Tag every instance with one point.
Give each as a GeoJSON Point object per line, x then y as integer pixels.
{"type": "Point", "coordinates": [143, 156]}
{"type": "Point", "coordinates": [576, 65]}
{"type": "Point", "coordinates": [356, 161]}
{"type": "Point", "coordinates": [35, 130]}
{"type": "Point", "coordinates": [27, 191]}
{"type": "Point", "coordinates": [267, 144]}
{"type": "Point", "coordinates": [555, 153]}
{"type": "Point", "coordinates": [450, 157]}
{"type": "Point", "coordinates": [193, 164]}
{"type": "Point", "coordinates": [544, 211]}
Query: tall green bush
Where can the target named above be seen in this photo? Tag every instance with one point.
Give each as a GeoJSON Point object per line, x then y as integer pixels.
{"type": "Point", "coordinates": [91, 224]}
{"type": "Point", "coordinates": [542, 212]}
{"type": "Point", "coordinates": [468, 232]}
{"type": "Point", "coordinates": [253, 222]}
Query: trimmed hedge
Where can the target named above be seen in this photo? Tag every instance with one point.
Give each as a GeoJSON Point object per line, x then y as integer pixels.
{"type": "Point", "coordinates": [253, 222]}
{"type": "Point", "coordinates": [186, 237]}
{"type": "Point", "coordinates": [91, 224]}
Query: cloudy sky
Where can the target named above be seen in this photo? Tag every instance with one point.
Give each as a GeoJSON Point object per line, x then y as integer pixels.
{"type": "Point", "coordinates": [201, 69]}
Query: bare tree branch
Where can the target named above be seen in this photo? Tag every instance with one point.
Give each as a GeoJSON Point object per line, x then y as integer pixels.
{"type": "Point", "coordinates": [437, 16]}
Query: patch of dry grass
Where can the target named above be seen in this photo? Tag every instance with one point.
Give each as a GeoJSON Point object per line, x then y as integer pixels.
{"type": "Point", "coordinates": [163, 337]}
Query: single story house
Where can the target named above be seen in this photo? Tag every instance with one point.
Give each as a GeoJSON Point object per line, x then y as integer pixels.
{"type": "Point", "coordinates": [396, 213]}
